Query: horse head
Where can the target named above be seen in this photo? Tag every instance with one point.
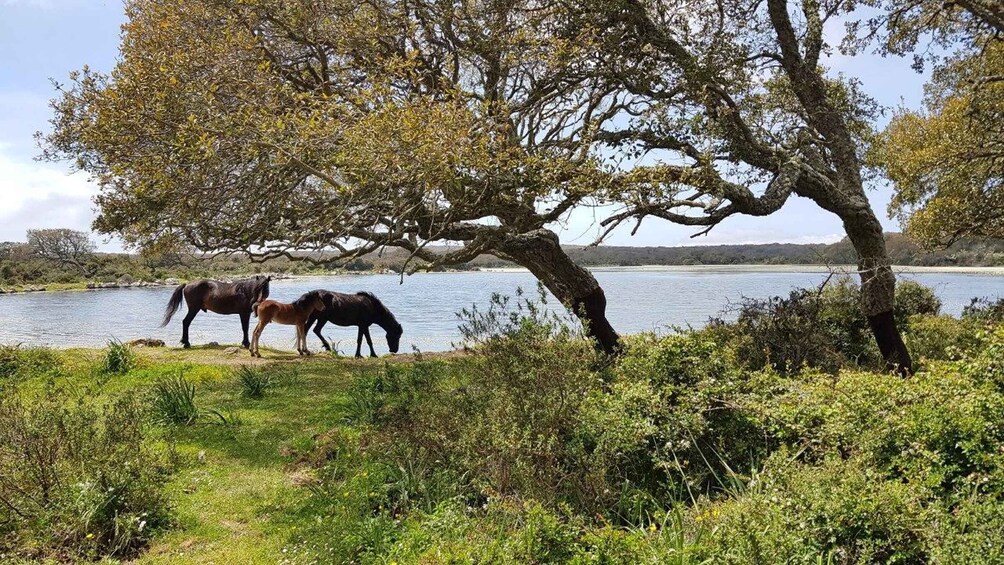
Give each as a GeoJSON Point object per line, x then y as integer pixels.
{"type": "Point", "coordinates": [394, 332]}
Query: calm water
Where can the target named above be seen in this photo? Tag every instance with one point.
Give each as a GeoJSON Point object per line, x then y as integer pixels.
{"type": "Point", "coordinates": [425, 304]}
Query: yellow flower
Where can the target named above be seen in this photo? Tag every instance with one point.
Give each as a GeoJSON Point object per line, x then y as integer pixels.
{"type": "Point", "coordinates": [652, 527]}
{"type": "Point", "coordinates": [89, 536]}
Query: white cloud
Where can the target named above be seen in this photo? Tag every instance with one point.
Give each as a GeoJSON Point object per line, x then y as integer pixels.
{"type": "Point", "coordinates": [39, 195]}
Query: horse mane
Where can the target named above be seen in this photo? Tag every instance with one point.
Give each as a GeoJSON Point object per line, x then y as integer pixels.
{"type": "Point", "coordinates": [385, 312]}
{"type": "Point", "coordinates": [307, 297]}
{"type": "Point", "coordinates": [252, 284]}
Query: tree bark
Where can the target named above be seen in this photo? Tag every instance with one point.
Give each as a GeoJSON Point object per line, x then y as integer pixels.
{"type": "Point", "coordinates": [878, 287]}
{"type": "Point", "coordinates": [577, 288]}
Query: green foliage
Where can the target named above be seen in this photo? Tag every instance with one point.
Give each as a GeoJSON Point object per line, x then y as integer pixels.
{"type": "Point", "coordinates": [913, 298]}
{"type": "Point", "coordinates": [795, 513]}
{"type": "Point", "coordinates": [79, 480]}
{"type": "Point", "coordinates": [18, 362]}
{"type": "Point", "coordinates": [119, 358]}
{"type": "Point", "coordinates": [824, 329]}
{"type": "Point", "coordinates": [985, 311]}
{"type": "Point", "coordinates": [172, 401]}
{"type": "Point", "coordinates": [944, 162]}
{"type": "Point", "coordinates": [940, 337]}
{"type": "Point", "coordinates": [254, 381]}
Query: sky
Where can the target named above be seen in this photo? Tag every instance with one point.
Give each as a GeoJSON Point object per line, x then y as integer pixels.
{"type": "Point", "coordinates": [44, 40]}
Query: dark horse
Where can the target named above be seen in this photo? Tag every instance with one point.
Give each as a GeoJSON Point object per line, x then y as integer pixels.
{"type": "Point", "coordinates": [360, 309]}
{"type": "Point", "coordinates": [220, 297]}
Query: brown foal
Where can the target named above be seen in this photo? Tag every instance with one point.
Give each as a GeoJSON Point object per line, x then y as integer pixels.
{"type": "Point", "coordinates": [295, 314]}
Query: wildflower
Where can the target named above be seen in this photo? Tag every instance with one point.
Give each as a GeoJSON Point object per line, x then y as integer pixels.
{"type": "Point", "coordinates": [651, 527]}
{"type": "Point", "coordinates": [90, 535]}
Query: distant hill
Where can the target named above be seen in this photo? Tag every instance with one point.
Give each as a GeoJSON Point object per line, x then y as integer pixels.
{"type": "Point", "coordinates": [903, 251]}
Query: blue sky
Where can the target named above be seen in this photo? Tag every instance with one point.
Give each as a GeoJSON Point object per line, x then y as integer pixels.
{"type": "Point", "coordinates": [46, 39]}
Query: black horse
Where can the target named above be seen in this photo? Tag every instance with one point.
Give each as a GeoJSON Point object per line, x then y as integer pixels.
{"type": "Point", "coordinates": [220, 297]}
{"type": "Point", "coordinates": [360, 309]}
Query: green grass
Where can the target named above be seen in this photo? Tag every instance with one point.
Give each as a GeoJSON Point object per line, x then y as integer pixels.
{"type": "Point", "coordinates": [236, 497]}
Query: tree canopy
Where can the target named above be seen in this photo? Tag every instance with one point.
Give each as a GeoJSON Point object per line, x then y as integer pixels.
{"type": "Point", "coordinates": [266, 126]}
{"type": "Point", "coordinates": [947, 160]}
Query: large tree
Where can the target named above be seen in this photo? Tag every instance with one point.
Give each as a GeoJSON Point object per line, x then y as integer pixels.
{"type": "Point", "coordinates": [736, 108]}
{"type": "Point", "coordinates": [267, 126]}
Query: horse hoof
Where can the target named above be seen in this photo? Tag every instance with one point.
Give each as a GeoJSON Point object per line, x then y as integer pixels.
{"type": "Point", "coordinates": [186, 345]}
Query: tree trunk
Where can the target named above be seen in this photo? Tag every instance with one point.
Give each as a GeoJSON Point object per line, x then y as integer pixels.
{"type": "Point", "coordinates": [878, 287]}
{"type": "Point", "coordinates": [577, 288]}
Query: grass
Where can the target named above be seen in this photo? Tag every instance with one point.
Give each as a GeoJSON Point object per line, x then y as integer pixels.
{"type": "Point", "coordinates": [236, 497]}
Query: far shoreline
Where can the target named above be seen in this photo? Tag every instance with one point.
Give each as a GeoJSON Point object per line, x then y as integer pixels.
{"type": "Point", "coordinates": [708, 269]}
{"type": "Point", "coordinates": [761, 268]}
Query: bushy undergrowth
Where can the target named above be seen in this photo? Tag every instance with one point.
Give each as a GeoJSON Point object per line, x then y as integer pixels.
{"type": "Point", "coordinates": [683, 451]}
{"type": "Point", "coordinates": [18, 362]}
{"type": "Point", "coordinates": [77, 480]}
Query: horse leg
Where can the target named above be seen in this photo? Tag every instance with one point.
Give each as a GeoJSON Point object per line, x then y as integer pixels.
{"type": "Point", "coordinates": [255, 336]}
{"type": "Point", "coordinates": [317, 331]}
{"type": "Point", "coordinates": [192, 312]}
{"type": "Point", "coordinates": [359, 342]}
{"type": "Point", "coordinates": [369, 341]}
{"type": "Point", "coordinates": [245, 321]}
{"type": "Point", "coordinates": [301, 330]}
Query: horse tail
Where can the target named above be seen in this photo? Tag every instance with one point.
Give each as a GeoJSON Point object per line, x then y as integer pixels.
{"type": "Point", "coordinates": [254, 308]}
{"type": "Point", "coordinates": [173, 304]}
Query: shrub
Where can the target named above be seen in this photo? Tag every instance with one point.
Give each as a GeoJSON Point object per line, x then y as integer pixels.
{"type": "Point", "coordinates": [78, 479]}
{"type": "Point", "coordinates": [783, 333]}
{"type": "Point", "coordinates": [939, 337]}
{"type": "Point", "coordinates": [823, 329]}
{"type": "Point", "coordinates": [119, 358]}
{"type": "Point", "coordinates": [672, 420]}
{"type": "Point", "coordinates": [938, 429]}
{"type": "Point", "coordinates": [254, 381]}
{"type": "Point", "coordinates": [985, 311]}
{"type": "Point", "coordinates": [18, 362]}
{"type": "Point", "coordinates": [796, 513]}
{"type": "Point", "coordinates": [173, 401]}
{"type": "Point", "coordinates": [913, 298]}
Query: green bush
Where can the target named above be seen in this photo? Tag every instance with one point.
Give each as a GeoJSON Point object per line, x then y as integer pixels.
{"type": "Point", "coordinates": [119, 358]}
{"type": "Point", "coordinates": [18, 362]}
{"type": "Point", "coordinates": [939, 337]}
{"type": "Point", "coordinates": [786, 334]}
{"type": "Point", "coordinates": [940, 428]}
{"type": "Point", "coordinates": [672, 420]}
{"type": "Point", "coordinates": [78, 480]}
{"type": "Point", "coordinates": [913, 298]}
{"type": "Point", "coordinates": [839, 510]}
{"type": "Point", "coordinates": [986, 311]}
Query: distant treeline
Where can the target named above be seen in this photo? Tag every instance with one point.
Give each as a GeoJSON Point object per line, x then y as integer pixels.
{"type": "Point", "coordinates": [903, 251]}
{"type": "Point", "coordinates": [44, 261]}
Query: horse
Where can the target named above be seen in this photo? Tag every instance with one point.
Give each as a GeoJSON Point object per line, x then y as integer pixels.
{"type": "Point", "coordinates": [220, 297]}
{"type": "Point", "coordinates": [294, 314]}
{"type": "Point", "coordinates": [360, 309]}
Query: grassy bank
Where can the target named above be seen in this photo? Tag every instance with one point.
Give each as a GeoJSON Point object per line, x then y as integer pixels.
{"type": "Point", "coordinates": [689, 449]}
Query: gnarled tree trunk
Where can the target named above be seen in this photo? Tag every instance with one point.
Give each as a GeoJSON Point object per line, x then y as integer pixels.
{"type": "Point", "coordinates": [577, 288]}
{"type": "Point", "coordinates": [878, 287]}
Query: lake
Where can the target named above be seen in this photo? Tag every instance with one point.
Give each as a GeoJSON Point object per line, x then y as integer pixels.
{"type": "Point", "coordinates": [641, 299]}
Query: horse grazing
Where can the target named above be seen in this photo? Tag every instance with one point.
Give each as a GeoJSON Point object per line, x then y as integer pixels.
{"type": "Point", "coordinates": [220, 297]}
{"type": "Point", "coordinates": [360, 309]}
{"type": "Point", "coordinates": [294, 314]}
